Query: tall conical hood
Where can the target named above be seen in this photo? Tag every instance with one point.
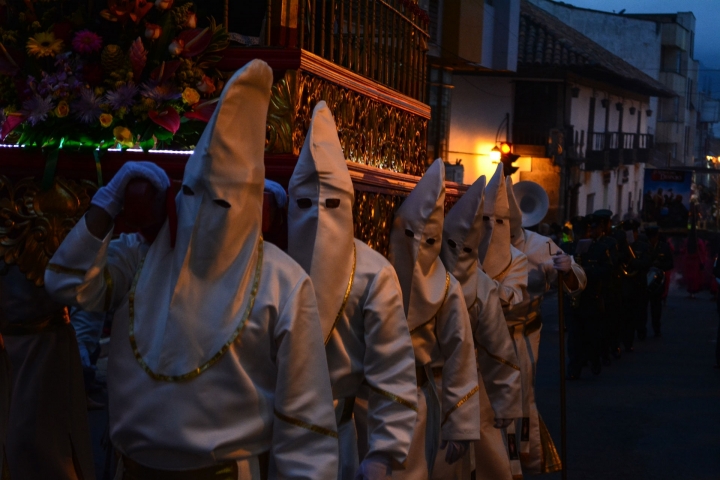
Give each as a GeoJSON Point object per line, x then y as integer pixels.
{"type": "Point", "coordinates": [496, 216]}
{"type": "Point", "coordinates": [193, 297]}
{"type": "Point", "coordinates": [320, 222]}
{"type": "Point", "coordinates": [462, 231]}
{"type": "Point", "coordinates": [415, 241]}
{"type": "Point", "coordinates": [517, 235]}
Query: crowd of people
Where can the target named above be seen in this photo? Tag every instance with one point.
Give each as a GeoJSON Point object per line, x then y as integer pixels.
{"type": "Point", "coordinates": [231, 359]}
{"type": "Point", "coordinates": [626, 273]}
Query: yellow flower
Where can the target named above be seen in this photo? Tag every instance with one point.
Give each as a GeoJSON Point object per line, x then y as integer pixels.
{"type": "Point", "coordinates": [62, 109]}
{"type": "Point", "coordinates": [190, 96]}
{"type": "Point", "coordinates": [123, 136]}
{"type": "Point", "coordinates": [44, 44]}
{"type": "Point", "coordinates": [106, 120]}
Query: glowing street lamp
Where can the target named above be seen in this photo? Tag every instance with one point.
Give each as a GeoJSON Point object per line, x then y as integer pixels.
{"type": "Point", "coordinates": [495, 154]}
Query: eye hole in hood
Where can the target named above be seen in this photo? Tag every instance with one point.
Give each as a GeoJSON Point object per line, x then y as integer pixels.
{"type": "Point", "coordinates": [430, 241]}
{"type": "Point", "coordinates": [187, 190]}
{"type": "Point", "coordinates": [452, 243]}
{"type": "Point", "coordinates": [409, 233]}
{"type": "Point", "coordinates": [304, 203]}
{"type": "Point", "coordinates": [332, 203]}
{"type": "Point", "coordinates": [221, 203]}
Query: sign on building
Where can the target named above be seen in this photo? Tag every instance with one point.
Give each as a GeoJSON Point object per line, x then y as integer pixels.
{"type": "Point", "coordinates": [666, 200]}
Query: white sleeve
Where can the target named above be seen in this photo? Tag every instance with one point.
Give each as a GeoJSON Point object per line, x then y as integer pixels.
{"type": "Point", "coordinates": [497, 359]}
{"type": "Point", "coordinates": [512, 285]}
{"type": "Point", "coordinates": [459, 391]}
{"type": "Point", "coordinates": [579, 272]}
{"type": "Point", "coordinates": [389, 368]}
{"type": "Point", "coordinates": [90, 273]}
{"type": "Point", "coordinates": [305, 439]}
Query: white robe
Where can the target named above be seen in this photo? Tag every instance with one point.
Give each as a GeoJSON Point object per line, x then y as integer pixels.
{"type": "Point", "coordinates": [512, 281]}
{"type": "Point", "coordinates": [370, 345]}
{"type": "Point", "coordinates": [537, 451]}
{"type": "Point", "coordinates": [499, 380]}
{"type": "Point", "coordinates": [270, 392]}
{"type": "Point", "coordinates": [444, 344]}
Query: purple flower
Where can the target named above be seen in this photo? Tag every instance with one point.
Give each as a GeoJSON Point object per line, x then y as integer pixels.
{"type": "Point", "coordinates": [87, 107]}
{"type": "Point", "coordinates": [122, 97]}
{"type": "Point", "coordinates": [36, 108]}
{"type": "Point", "coordinates": [87, 42]}
{"type": "Point", "coordinates": [160, 93]}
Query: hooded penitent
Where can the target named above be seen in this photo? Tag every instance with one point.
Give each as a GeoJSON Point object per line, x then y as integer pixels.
{"type": "Point", "coordinates": [517, 235]}
{"type": "Point", "coordinates": [462, 231]}
{"type": "Point", "coordinates": [494, 251]}
{"type": "Point", "coordinates": [415, 241]}
{"type": "Point", "coordinates": [214, 268]}
{"type": "Point", "coordinates": [320, 214]}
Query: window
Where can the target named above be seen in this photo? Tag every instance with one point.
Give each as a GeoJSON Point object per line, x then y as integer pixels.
{"type": "Point", "coordinates": [687, 140]}
{"type": "Point", "coordinates": [590, 204]}
{"type": "Point", "coordinates": [688, 103]}
{"type": "Point", "coordinates": [630, 204]}
{"type": "Point", "coordinates": [669, 109]}
{"type": "Point", "coordinates": [671, 59]}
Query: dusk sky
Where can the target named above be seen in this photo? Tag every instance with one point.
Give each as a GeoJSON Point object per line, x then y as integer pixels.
{"type": "Point", "coordinates": [707, 15]}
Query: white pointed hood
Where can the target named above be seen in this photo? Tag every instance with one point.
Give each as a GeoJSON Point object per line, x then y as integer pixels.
{"type": "Point", "coordinates": [517, 235]}
{"type": "Point", "coordinates": [462, 231]}
{"type": "Point", "coordinates": [494, 251]}
{"type": "Point", "coordinates": [196, 297]}
{"type": "Point", "coordinates": [415, 240]}
{"type": "Point", "coordinates": [320, 221]}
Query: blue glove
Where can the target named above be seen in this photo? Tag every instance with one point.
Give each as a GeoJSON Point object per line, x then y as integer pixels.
{"type": "Point", "coordinates": [455, 450]}
{"type": "Point", "coordinates": [112, 196]}
{"type": "Point", "coordinates": [374, 467]}
{"type": "Point", "coordinates": [278, 192]}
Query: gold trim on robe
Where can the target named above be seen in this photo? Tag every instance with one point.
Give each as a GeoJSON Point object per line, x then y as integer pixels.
{"type": "Point", "coordinates": [460, 403]}
{"type": "Point", "coordinates": [305, 425]}
{"type": "Point", "coordinates": [393, 397]}
{"type": "Point", "coordinates": [54, 267]}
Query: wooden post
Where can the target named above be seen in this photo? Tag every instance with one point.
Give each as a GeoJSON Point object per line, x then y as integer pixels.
{"type": "Point", "coordinates": [563, 406]}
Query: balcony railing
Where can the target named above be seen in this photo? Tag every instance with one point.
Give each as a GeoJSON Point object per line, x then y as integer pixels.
{"type": "Point", "coordinates": [615, 140]}
{"type": "Point", "coordinates": [612, 149]}
{"type": "Point", "coordinates": [383, 40]}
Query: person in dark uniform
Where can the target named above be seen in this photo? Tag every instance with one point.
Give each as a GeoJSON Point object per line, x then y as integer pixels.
{"type": "Point", "coordinates": [661, 258]}
{"type": "Point", "coordinates": [587, 311]}
{"type": "Point", "coordinates": [635, 261]}
{"type": "Point", "coordinates": [612, 293]}
{"type": "Point", "coordinates": [716, 273]}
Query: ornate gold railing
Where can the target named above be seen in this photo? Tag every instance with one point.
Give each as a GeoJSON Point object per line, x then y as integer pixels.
{"type": "Point", "coordinates": [383, 40]}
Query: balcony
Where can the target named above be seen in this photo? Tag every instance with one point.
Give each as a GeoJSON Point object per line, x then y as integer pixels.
{"type": "Point", "coordinates": [382, 40]}
{"type": "Point", "coordinates": [612, 149]}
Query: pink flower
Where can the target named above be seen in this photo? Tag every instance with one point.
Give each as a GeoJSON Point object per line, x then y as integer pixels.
{"type": "Point", "coordinates": [152, 31]}
{"type": "Point", "coordinates": [87, 42]}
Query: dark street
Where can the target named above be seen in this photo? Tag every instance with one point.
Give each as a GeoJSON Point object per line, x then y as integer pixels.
{"type": "Point", "coordinates": [653, 414]}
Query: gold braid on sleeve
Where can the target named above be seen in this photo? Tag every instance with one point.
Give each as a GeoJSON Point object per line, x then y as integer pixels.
{"type": "Point", "coordinates": [393, 397]}
{"type": "Point", "coordinates": [305, 425]}
{"type": "Point", "coordinates": [460, 403]}
{"type": "Point", "coordinates": [54, 267]}
{"type": "Point", "coordinates": [499, 359]}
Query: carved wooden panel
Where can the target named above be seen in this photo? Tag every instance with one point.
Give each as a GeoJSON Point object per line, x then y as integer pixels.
{"type": "Point", "coordinates": [33, 222]}
{"type": "Point", "coordinates": [371, 132]}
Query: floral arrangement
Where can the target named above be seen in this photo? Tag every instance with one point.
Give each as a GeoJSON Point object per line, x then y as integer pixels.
{"type": "Point", "coordinates": [123, 73]}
